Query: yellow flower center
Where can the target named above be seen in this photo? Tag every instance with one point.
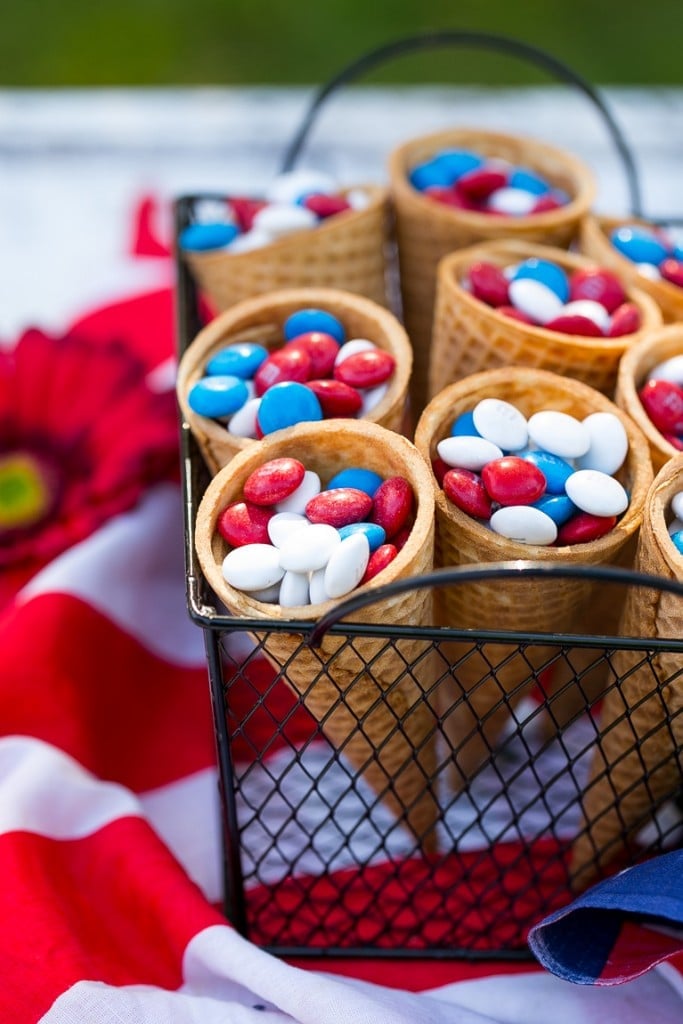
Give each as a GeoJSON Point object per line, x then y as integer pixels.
{"type": "Point", "coordinates": [24, 494]}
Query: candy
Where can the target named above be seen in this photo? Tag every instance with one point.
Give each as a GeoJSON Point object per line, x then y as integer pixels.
{"type": "Point", "coordinates": [677, 540]}
{"type": "Point", "coordinates": [480, 182]}
{"type": "Point", "coordinates": [217, 396]}
{"type": "Point", "coordinates": [672, 270]}
{"type": "Point", "coordinates": [524, 523]}
{"type": "Point", "coordinates": [392, 505]}
{"type": "Point", "coordinates": [336, 398]}
{"type": "Point", "coordinates": [663, 402]}
{"type": "Point", "coordinates": [677, 504]}
{"type": "Point", "coordinates": [575, 324]}
{"type": "Point", "coordinates": [290, 186]}
{"type": "Point", "coordinates": [555, 470]}
{"type": "Point", "coordinates": [306, 320]}
{"type": "Point", "coordinates": [639, 244]}
{"type": "Point", "coordinates": [500, 422]}
{"type": "Point", "coordinates": [597, 493]}
{"type": "Point", "coordinates": [365, 369]}
{"type": "Point", "coordinates": [309, 548]}
{"type": "Point", "coordinates": [242, 522]}
{"type": "Point", "coordinates": [545, 272]}
{"type": "Point", "coordinates": [625, 320]}
{"type": "Point", "coordinates": [512, 202]}
{"type": "Point", "coordinates": [274, 481]}
{"type": "Point", "coordinates": [598, 285]}
{"type": "Point", "coordinates": [252, 567]}
{"type": "Point", "coordinates": [488, 283]}
{"type": "Point", "coordinates": [282, 525]}
{"type": "Point", "coordinates": [608, 443]}
{"type": "Point", "coordinates": [375, 534]}
{"type": "Point", "coordinates": [203, 237]}
{"type": "Point", "coordinates": [285, 404]}
{"type": "Point", "coordinates": [466, 490]}
{"type": "Point", "coordinates": [464, 426]}
{"type": "Point", "coordinates": [320, 348]}
{"type": "Point", "coordinates": [239, 360]}
{"type": "Point", "coordinates": [589, 309]}
{"type": "Point", "coordinates": [559, 507]}
{"type": "Point", "coordinates": [378, 561]}
{"type": "Point", "coordinates": [243, 422]}
{"type": "Point", "coordinates": [325, 206]}
{"type": "Point", "coordinates": [284, 364]}
{"type": "Point", "coordinates": [298, 500]}
{"type": "Point", "coordinates": [357, 477]}
{"type": "Point", "coordinates": [527, 180]}
{"type": "Point", "coordinates": [468, 452]}
{"type": "Point", "coordinates": [372, 397]}
{"type": "Point", "coordinates": [559, 433]}
{"type": "Point", "coordinates": [279, 219]}
{"type": "Point", "coordinates": [671, 369]}
{"type": "Point", "coordinates": [513, 481]}
{"type": "Point", "coordinates": [347, 565]}
{"type": "Point", "coordinates": [340, 506]}
{"type": "Point", "coordinates": [535, 299]}
{"type": "Point", "coordinates": [350, 348]}
{"type": "Point", "coordinates": [584, 527]}
{"type": "Point", "coordinates": [294, 590]}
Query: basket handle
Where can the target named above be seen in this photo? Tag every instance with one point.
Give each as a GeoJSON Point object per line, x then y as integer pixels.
{"type": "Point", "coordinates": [456, 37]}
{"type": "Point", "coordinates": [492, 572]}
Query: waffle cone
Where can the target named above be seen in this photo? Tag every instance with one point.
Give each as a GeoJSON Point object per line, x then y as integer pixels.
{"type": "Point", "coordinates": [487, 683]}
{"type": "Point", "coordinates": [347, 251]}
{"type": "Point", "coordinates": [427, 231]}
{"type": "Point", "coordinates": [469, 336]}
{"type": "Point", "coordinates": [261, 319]}
{"type": "Point", "coordinates": [595, 243]}
{"type": "Point", "coordinates": [370, 707]}
{"type": "Point", "coordinates": [638, 762]}
{"type": "Point", "coordinates": [634, 368]}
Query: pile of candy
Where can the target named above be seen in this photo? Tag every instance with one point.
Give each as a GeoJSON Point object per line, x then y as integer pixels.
{"type": "Point", "coordinates": [590, 301]}
{"type": "Point", "coordinates": [468, 181]}
{"type": "Point", "coordinates": [546, 480]}
{"type": "Point", "coordinates": [675, 527]}
{"type": "Point", "coordinates": [296, 201]}
{"type": "Point", "coordinates": [662, 399]}
{"type": "Point", "coordinates": [316, 374]}
{"type": "Point", "coordinates": [294, 543]}
{"type": "Point", "coordinates": [657, 256]}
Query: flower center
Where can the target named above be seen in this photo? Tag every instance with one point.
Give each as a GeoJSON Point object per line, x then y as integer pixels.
{"type": "Point", "coordinates": [25, 495]}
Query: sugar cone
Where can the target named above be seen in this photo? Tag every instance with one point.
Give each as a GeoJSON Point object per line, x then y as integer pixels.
{"type": "Point", "coordinates": [487, 684]}
{"type": "Point", "coordinates": [595, 243]}
{"type": "Point", "coordinates": [347, 251]}
{"type": "Point", "coordinates": [261, 319]}
{"type": "Point", "coordinates": [470, 336]}
{"type": "Point", "coordinates": [369, 699]}
{"type": "Point", "coordinates": [634, 368]}
{"type": "Point", "coordinates": [638, 761]}
{"type": "Point", "coordinates": [426, 230]}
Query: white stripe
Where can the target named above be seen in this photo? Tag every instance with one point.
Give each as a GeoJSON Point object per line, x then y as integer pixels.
{"type": "Point", "coordinates": [132, 571]}
{"type": "Point", "coordinates": [44, 791]}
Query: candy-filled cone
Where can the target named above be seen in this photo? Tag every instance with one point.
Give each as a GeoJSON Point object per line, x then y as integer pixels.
{"type": "Point", "coordinates": [347, 251]}
{"type": "Point", "coordinates": [596, 243]}
{"type": "Point", "coordinates": [487, 684]}
{"type": "Point", "coordinates": [637, 763]}
{"type": "Point", "coordinates": [261, 319]}
{"type": "Point", "coordinates": [469, 336]}
{"type": "Point", "coordinates": [635, 365]}
{"type": "Point", "coordinates": [427, 230]}
{"type": "Point", "coordinates": [370, 698]}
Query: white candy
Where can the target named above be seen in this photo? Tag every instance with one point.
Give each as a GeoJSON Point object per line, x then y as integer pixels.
{"type": "Point", "coordinates": [252, 567]}
{"type": "Point", "coordinates": [677, 504]}
{"type": "Point", "coordinates": [269, 595]}
{"type": "Point", "coordinates": [289, 187]}
{"type": "Point", "coordinates": [596, 493]}
{"type": "Point", "coordinates": [250, 240]}
{"type": "Point", "coordinates": [670, 369]}
{"type": "Point", "coordinates": [277, 220]}
{"type": "Point", "coordinates": [535, 299]}
{"type": "Point", "coordinates": [349, 348]}
{"type": "Point", "coordinates": [347, 564]}
{"type": "Point", "coordinates": [501, 423]}
{"type": "Point", "coordinates": [559, 433]}
{"type": "Point", "coordinates": [299, 499]}
{"type": "Point", "coordinates": [243, 422]}
{"type": "Point", "coordinates": [674, 526]}
{"type": "Point", "coordinates": [608, 443]}
{"type": "Point", "coordinates": [358, 198]}
{"type": "Point", "coordinates": [371, 398]}
{"type": "Point", "coordinates": [212, 211]}
{"type": "Point", "coordinates": [283, 524]}
{"type": "Point", "coordinates": [515, 202]}
{"type": "Point", "coordinates": [594, 311]}
{"type": "Point", "coordinates": [525, 524]}
{"type": "Point", "coordinates": [468, 452]}
{"type": "Point", "coordinates": [317, 592]}
{"type": "Point", "coordinates": [309, 549]}
{"type": "Point", "coordinates": [293, 590]}
{"type": "Point", "coordinates": [649, 270]}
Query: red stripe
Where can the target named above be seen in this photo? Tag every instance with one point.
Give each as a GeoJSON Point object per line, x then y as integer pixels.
{"type": "Point", "coordinates": [636, 950]}
{"type": "Point", "coordinates": [113, 907]}
{"type": "Point", "coordinates": [415, 975]}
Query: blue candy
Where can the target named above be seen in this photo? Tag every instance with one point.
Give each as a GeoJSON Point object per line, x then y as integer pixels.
{"type": "Point", "coordinates": [549, 274]}
{"type": "Point", "coordinates": [558, 506]}
{"type": "Point", "coordinates": [362, 479]}
{"type": "Point", "coordinates": [305, 320]}
{"type": "Point", "coordinates": [240, 360]}
{"type": "Point", "coordinates": [677, 539]}
{"type": "Point", "coordinates": [375, 534]}
{"type": "Point", "coordinates": [529, 181]}
{"type": "Point", "coordinates": [285, 404]}
{"type": "Point", "coordinates": [555, 470]}
{"type": "Point", "coordinates": [200, 237]}
{"type": "Point", "coordinates": [456, 162]}
{"type": "Point", "coordinates": [430, 175]}
{"type": "Point", "coordinates": [464, 426]}
{"type": "Point", "coordinates": [217, 396]}
{"type": "Point", "coordinates": [639, 245]}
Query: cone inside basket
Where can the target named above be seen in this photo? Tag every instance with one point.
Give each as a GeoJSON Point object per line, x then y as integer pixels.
{"type": "Point", "coordinates": [261, 319]}
{"type": "Point", "coordinates": [636, 765]}
{"type": "Point", "coordinates": [427, 230]}
{"type": "Point", "coordinates": [469, 336]}
{"type": "Point", "coordinates": [486, 684]}
{"type": "Point", "coordinates": [347, 251]}
{"type": "Point", "coordinates": [634, 367]}
{"type": "Point", "coordinates": [370, 699]}
{"type": "Point", "coordinates": [595, 242]}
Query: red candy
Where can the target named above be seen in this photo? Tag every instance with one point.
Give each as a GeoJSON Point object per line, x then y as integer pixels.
{"type": "Point", "coordinates": [274, 481]}
{"type": "Point", "coordinates": [339, 506]}
{"type": "Point", "coordinates": [625, 320]}
{"type": "Point", "coordinates": [326, 206]}
{"type": "Point", "coordinates": [365, 369]}
{"type": "Point", "coordinates": [439, 468]}
{"type": "Point", "coordinates": [488, 283]}
{"type": "Point", "coordinates": [392, 505]}
{"type": "Point", "coordinates": [598, 285]}
{"type": "Point", "coordinates": [676, 442]}
{"type": "Point", "coordinates": [336, 398]}
{"type": "Point", "coordinates": [449, 197]}
{"type": "Point", "coordinates": [321, 349]}
{"type": "Point", "coordinates": [574, 323]}
{"type": "Point", "coordinates": [245, 210]}
{"type": "Point", "coordinates": [379, 559]}
{"type": "Point", "coordinates": [401, 538]}
{"type": "Point", "coordinates": [516, 314]}
{"type": "Point", "coordinates": [283, 365]}
{"type": "Point", "coordinates": [243, 523]}
{"type": "Point", "coordinates": [584, 527]}
{"type": "Point", "coordinates": [663, 402]}
{"type": "Point", "coordinates": [480, 183]}
{"type": "Point", "coordinates": [466, 490]}
{"type": "Point", "coordinates": [513, 481]}
{"type": "Point", "coordinates": [672, 270]}
{"type": "Point", "coordinates": [546, 203]}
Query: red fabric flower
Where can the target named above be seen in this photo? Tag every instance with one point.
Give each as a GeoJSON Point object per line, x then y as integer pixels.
{"type": "Point", "coordinates": [81, 437]}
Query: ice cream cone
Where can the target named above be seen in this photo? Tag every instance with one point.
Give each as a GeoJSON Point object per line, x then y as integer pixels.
{"type": "Point", "coordinates": [427, 230]}
{"type": "Point", "coordinates": [261, 319]}
{"type": "Point", "coordinates": [489, 682]}
{"type": "Point", "coordinates": [469, 336]}
{"type": "Point", "coordinates": [347, 251]}
{"type": "Point", "coordinates": [634, 368]}
{"type": "Point", "coordinates": [637, 762]}
{"type": "Point", "coordinates": [595, 242]}
{"type": "Point", "coordinates": [369, 695]}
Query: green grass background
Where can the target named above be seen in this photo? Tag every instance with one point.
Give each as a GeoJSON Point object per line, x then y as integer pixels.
{"type": "Point", "coordinates": [62, 43]}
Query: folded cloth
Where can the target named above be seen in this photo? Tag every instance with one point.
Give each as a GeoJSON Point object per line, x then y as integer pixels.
{"type": "Point", "coordinates": [618, 929]}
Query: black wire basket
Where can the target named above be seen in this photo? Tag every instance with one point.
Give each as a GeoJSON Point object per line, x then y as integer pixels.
{"type": "Point", "coordinates": [316, 861]}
